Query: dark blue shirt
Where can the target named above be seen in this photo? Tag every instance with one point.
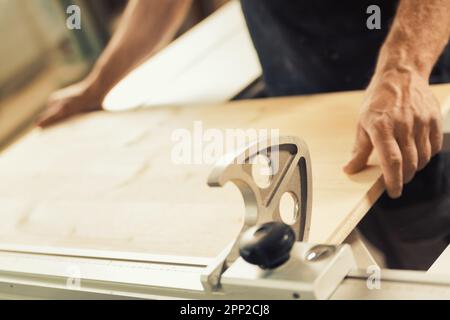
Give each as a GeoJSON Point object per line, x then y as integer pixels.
{"type": "Point", "coordinates": [310, 46]}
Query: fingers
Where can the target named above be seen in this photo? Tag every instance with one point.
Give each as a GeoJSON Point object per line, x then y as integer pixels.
{"type": "Point", "coordinates": [382, 138]}
{"type": "Point", "coordinates": [361, 152]}
{"type": "Point", "coordinates": [403, 121]}
{"type": "Point", "coordinates": [406, 142]}
{"type": "Point", "coordinates": [390, 157]}
{"type": "Point", "coordinates": [69, 101]}
{"type": "Point", "coordinates": [53, 115]}
{"type": "Point", "coordinates": [436, 136]}
{"type": "Point", "coordinates": [422, 138]}
{"type": "Point", "coordinates": [402, 151]}
{"type": "Point", "coordinates": [58, 111]}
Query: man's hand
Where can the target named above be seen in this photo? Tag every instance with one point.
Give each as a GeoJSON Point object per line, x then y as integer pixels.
{"type": "Point", "coordinates": [146, 27]}
{"type": "Point", "coordinates": [72, 100]}
{"type": "Point", "coordinates": [401, 119]}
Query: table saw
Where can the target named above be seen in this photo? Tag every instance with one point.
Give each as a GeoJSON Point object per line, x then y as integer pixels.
{"type": "Point", "coordinates": [96, 208]}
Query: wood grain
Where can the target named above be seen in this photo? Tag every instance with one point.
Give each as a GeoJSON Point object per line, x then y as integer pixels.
{"type": "Point", "coordinates": [106, 181]}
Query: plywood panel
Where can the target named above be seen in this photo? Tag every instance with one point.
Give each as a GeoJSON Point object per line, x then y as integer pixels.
{"type": "Point", "coordinates": [442, 264]}
{"type": "Point", "coordinates": [106, 181]}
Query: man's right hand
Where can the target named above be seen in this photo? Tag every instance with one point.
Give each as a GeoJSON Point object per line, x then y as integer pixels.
{"type": "Point", "coordinates": [78, 98]}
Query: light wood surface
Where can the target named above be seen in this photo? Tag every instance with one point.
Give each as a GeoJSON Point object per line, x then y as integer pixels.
{"type": "Point", "coordinates": [442, 264]}
{"type": "Point", "coordinates": [361, 252]}
{"type": "Point", "coordinates": [106, 181]}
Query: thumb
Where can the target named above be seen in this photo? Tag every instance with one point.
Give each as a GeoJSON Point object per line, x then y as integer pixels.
{"type": "Point", "coordinates": [361, 152]}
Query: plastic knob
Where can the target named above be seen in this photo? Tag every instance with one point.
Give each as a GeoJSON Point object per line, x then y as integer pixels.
{"type": "Point", "coordinates": [267, 246]}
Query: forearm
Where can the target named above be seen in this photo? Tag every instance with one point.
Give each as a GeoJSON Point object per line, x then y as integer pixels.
{"type": "Point", "coordinates": [146, 27]}
{"type": "Point", "coordinates": [418, 36]}
{"type": "Point", "coordinates": [400, 118]}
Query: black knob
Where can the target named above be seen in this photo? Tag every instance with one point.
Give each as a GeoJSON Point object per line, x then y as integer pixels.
{"type": "Point", "coordinates": [267, 246]}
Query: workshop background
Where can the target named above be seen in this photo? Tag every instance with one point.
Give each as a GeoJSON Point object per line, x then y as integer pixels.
{"type": "Point", "coordinates": [38, 54]}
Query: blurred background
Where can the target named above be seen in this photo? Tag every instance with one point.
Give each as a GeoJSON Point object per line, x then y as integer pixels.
{"type": "Point", "coordinates": [38, 54]}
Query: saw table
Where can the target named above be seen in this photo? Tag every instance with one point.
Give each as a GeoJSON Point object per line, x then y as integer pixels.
{"type": "Point", "coordinates": [97, 208]}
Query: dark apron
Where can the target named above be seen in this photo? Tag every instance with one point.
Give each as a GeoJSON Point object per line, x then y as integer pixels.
{"type": "Point", "coordinates": [318, 46]}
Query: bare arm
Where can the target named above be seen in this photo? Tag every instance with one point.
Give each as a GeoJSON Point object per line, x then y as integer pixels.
{"type": "Point", "coordinates": [146, 27]}
{"type": "Point", "coordinates": [400, 118]}
{"type": "Point", "coordinates": [420, 32]}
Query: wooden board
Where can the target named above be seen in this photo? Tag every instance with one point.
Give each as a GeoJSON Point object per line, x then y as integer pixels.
{"type": "Point", "coordinates": [106, 181]}
{"type": "Point", "coordinates": [442, 264]}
